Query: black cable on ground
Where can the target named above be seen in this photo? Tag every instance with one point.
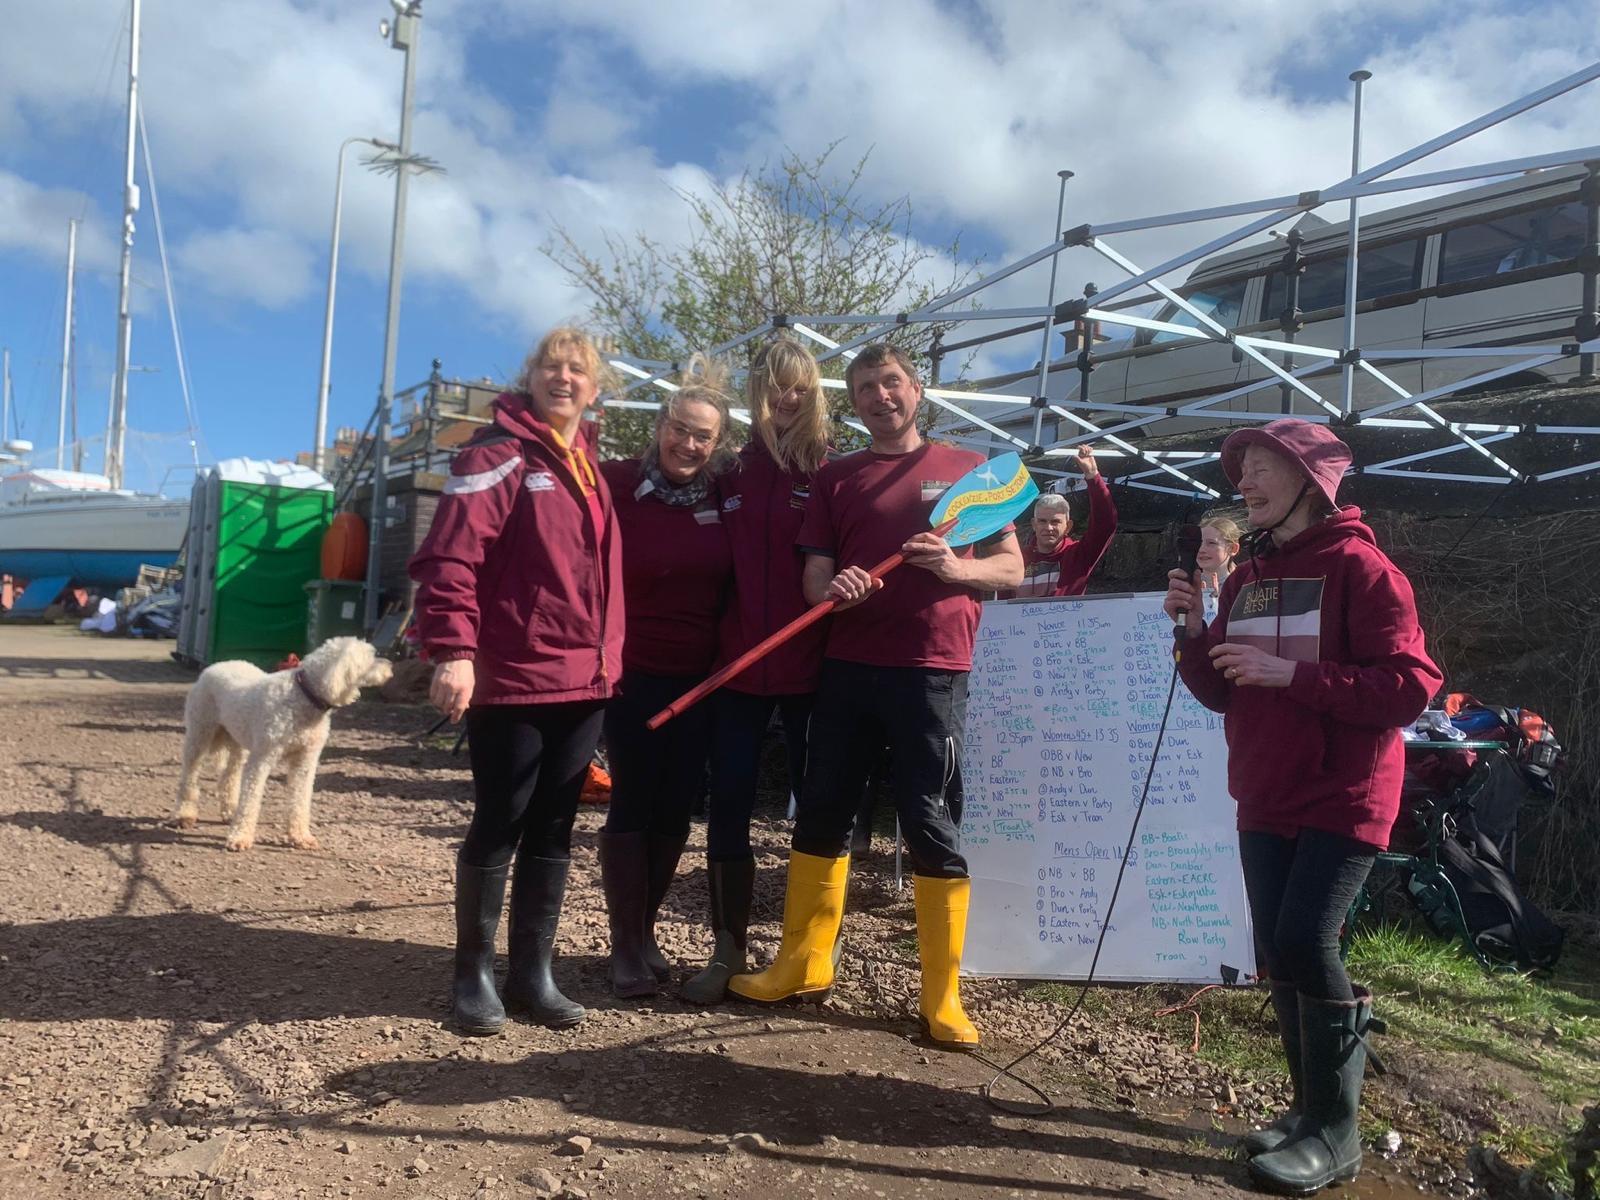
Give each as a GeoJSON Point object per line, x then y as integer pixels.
{"type": "Point", "coordinates": [1007, 1071]}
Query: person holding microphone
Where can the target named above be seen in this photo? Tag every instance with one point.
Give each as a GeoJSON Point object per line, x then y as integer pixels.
{"type": "Point", "coordinates": [1317, 660]}
{"type": "Point", "coordinates": [519, 604]}
{"type": "Point", "coordinates": [763, 502]}
{"type": "Point", "coordinates": [677, 569]}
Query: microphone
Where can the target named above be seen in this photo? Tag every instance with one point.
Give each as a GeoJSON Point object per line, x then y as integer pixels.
{"type": "Point", "coordinates": [1189, 542]}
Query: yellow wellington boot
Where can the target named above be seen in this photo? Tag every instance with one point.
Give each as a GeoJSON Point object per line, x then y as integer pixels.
{"type": "Point", "coordinates": [941, 933]}
{"type": "Point", "coordinates": [813, 907]}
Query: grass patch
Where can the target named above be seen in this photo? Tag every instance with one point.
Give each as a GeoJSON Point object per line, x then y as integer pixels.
{"type": "Point", "coordinates": [1432, 993]}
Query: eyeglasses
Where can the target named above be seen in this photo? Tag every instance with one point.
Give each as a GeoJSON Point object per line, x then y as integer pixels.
{"type": "Point", "coordinates": [682, 432]}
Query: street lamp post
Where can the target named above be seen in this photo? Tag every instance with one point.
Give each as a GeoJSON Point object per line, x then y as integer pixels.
{"type": "Point", "coordinates": [402, 34]}
{"type": "Point", "coordinates": [319, 446]}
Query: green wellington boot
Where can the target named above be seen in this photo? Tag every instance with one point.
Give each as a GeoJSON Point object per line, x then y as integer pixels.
{"type": "Point", "coordinates": [480, 894]}
{"type": "Point", "coordinates": [731, 885]}
{"type": "Point", "coordinates": [1286, 1003]}
{"type": "Point", "coordinates": [1325, 1147]}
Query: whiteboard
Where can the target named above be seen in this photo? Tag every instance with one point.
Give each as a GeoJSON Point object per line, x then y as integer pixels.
{"type": "Point", "coordinates": [1065, 699]}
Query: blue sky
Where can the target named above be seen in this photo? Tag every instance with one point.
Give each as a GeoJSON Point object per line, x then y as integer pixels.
{"type": "Point", "coordinates": [588, 115]}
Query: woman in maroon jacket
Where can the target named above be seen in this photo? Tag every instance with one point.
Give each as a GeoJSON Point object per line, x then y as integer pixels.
{"type": "Point", "coordinates": [676, 571]}
{"type": "Point", "coordinates": [519, 604]}
{"type": "Point", "coordinates": [763, 503]}
{"type": "Point", "coordinates": [1317, 660]}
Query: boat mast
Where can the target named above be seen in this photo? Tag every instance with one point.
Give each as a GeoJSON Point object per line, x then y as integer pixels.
{"type": "Point", "coordinates": [66, 347]}
{"type": "Point", "coordinates": [130, 206]}
{"type": "Point", "coordinates": [5, 396]}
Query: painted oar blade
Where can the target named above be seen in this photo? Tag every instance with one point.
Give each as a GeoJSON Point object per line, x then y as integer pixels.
{"type": "Point", "coordinates": [986, 499]}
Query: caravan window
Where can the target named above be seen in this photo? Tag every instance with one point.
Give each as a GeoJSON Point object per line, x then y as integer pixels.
{"type": "Point", "coordinates": [1222, 304]}
{"type": "Point", "coordinates": [1383, 271]}
{"type": "Point", "coordinates": [1509, 243]}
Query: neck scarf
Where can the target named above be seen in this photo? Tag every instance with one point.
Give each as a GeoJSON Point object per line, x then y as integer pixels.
{"type": "Point", "coordinates": [673, 495]}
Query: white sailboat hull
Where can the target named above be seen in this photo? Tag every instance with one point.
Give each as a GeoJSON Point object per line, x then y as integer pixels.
{"type": "Point", "coordinates": [99, 541]}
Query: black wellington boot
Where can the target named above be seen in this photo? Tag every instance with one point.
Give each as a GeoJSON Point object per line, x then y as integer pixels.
{"type": "Point", "coordinates": [731, 884]}
{"type": "Point", "coordinates": [537, 888]}
{"type": "Point", "coordinates": [1325, 1147]}
{"type": "Point", "coordinates": [1286, 1003]}
{"type": "Point", "coordinates": [625, 876]}
{"type": "Point", "coordinates": [663, 851]}
{"type": "Point", "coordinates": [480, 893]}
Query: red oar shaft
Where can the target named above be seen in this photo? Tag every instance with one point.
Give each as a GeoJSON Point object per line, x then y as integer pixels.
{"type": "Point", "coordinates": [761, 649]}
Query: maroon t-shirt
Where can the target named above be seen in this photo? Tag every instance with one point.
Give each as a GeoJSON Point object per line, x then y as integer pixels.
{"type": "Point", "coordinates": [676, 570]}
{"type": "Point", "coordinates": [863, 508]}
{"type": "Point", "coordinates": [763, 506]}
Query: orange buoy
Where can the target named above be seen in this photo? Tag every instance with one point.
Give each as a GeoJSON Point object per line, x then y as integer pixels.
{"type": "Point", "coordinates": [344, 548]}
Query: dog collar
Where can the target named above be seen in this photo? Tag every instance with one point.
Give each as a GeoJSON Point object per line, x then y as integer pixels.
{"type": "Point", "coordinates": [305, 688]}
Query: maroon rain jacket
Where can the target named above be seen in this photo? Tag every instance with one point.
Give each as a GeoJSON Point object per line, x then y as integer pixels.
{"type": "Point", "coordinates": [522, 569]}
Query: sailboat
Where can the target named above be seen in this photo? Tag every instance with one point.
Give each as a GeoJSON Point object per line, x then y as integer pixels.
{"type": "Point", "coordinates": [75, 526]}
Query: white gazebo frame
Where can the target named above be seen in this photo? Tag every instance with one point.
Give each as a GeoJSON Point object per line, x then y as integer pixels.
{"type": "Point", "coordinates": [1174, 466]}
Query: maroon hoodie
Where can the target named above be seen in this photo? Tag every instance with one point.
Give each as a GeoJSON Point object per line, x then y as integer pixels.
{"type": "Point", "coordinates": [1325, 752]}
{"type": "Point", "coordinates": [1065, 571]}
{"type": "Point", "coordinates": [762, 507]}
{"type": "Point", "coordinates": [521, 570]}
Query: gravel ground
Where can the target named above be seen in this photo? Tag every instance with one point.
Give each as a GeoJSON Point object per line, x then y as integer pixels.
{"type": "Point", "coordinates": [180, 1021]}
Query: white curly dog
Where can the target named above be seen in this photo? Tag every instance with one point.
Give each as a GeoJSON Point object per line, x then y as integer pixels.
{"type": "Point", "coordinates": [253, 720]}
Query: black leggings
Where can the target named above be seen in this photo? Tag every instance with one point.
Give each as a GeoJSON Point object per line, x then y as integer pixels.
{"type": "Point", "coordinates": [738, 726]}
{"type": "Point", "coordinates": [528, 767]}
{"type": "Point", "coordinates": [1300, 890]}
{"type": "Point", "coordinates": [656, 775]}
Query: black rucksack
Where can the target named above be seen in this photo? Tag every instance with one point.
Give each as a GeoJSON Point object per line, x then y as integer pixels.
{"type": "Point", "coordinates": [1504, 924]}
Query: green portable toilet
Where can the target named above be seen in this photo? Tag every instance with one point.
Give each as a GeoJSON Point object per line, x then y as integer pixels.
{"type": "Point", "coordinates": [255, 539]}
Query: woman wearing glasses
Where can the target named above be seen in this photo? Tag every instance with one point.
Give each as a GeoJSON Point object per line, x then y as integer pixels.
{"type": "Point", "coordinates": [677, 569]}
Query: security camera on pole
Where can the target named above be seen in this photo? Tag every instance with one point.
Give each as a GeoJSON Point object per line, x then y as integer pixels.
{"type": "Point", "coordinates": [402, 35]}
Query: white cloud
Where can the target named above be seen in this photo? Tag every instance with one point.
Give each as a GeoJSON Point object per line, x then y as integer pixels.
{"type": "Point", "coordinates": [969, 111]}
{"type": "Point", "coordinates": [263, 266]}
{"type": "Point", "coordinates": [33, 220]}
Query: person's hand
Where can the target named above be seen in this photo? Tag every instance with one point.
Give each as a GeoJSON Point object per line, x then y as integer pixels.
{"type": "Point", "coordinates": [851, 586]}
{"type": "Point", "coordinates": [451, 689]}
{"type": "Point", "coordinates": [1086, 462]}
{"type": "Point", "coordinates": [1248, 666]}
{"type": "Point", "coordinates": [933, 553]}
{"type": "Point", "coordinates": [1183, 596]}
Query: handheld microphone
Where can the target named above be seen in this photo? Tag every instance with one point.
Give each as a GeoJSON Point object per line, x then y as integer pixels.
{"type": "Point", "coordinates": [1189, 542]}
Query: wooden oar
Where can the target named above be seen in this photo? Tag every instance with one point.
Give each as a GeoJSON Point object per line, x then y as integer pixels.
{"type": "Point", "coordinates": [982, 502]}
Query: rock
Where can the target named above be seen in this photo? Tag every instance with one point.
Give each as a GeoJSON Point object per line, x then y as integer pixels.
{"type": "Point", "coordinates": [21, 1150]}
{"type": "Point", "coordinates": [346, 1147]}
{"type": "Point", "coordinates": [203, 1159]}
{"type": "Point", "coordinates": [419, 1167]}
{"type": "Point", "coordinates": [575, 1146]}
{"type": "Point", "coordinates": [750, 1141]}
{"type": "Point", "coordinates": [1389, 1142]}
{"type": "Point", "coordinates": [542, 1182]}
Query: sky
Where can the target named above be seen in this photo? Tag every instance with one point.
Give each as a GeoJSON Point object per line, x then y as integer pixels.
{"type": "Point", "coordinates": [592, 117]}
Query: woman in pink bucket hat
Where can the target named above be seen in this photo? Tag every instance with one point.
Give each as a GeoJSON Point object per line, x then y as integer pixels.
{"type": "Point", "coordinates": [1317, 661]}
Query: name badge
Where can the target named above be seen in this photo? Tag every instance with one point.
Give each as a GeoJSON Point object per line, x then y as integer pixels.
{"type": "Point", "coordinates": [932, 489]}
{"type": "Point", "coordinates": [798, 495]}
{"type": "Point", "coordinates": [707, 516]}
{"type": "Point", "coordinates": [732, 503]}
{"type": "Point", "coordinates": [540, 481]}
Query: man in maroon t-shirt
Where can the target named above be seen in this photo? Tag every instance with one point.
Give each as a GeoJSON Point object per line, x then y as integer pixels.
{"type": "Point", "coordinates": [894, 672]}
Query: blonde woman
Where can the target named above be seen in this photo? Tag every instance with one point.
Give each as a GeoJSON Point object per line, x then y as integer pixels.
{"type": "Point", "coordinates": [763, 503]}
{"type": "Point", "coordinates": [677, 568]}
{"type": "Point", "coordinates": [519, 605]}
{"type": "Point", "coordinates": [1219, 546]}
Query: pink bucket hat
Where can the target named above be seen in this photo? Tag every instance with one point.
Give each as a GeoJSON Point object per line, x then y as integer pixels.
{"type": "Point", "coordinates": [1315, 449]}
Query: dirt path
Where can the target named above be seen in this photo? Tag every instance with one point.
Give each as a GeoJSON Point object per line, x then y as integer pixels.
{"type": "Point", "coordinates": [176, 1020]}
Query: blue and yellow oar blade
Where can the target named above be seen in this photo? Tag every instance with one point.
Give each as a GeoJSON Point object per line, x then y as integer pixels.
{"type": "Point", "coordinates": [985, 500]}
